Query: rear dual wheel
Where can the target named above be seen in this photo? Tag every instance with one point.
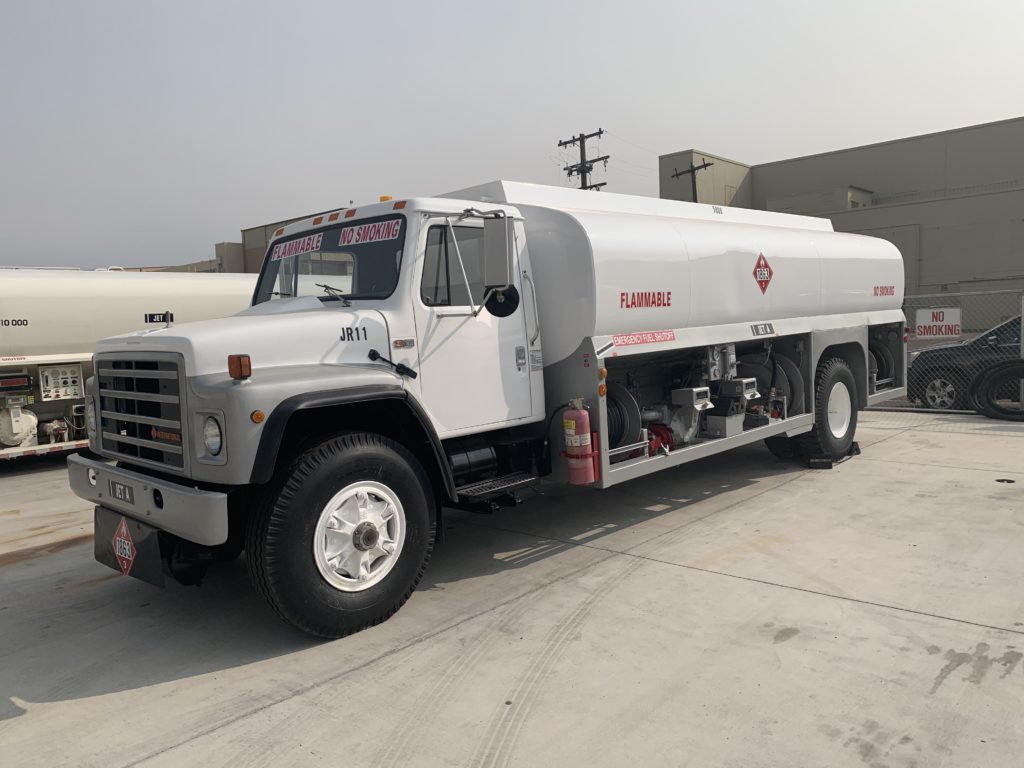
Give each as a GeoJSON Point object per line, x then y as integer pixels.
{"type": "Point", "coordinates": [347, 536]}
{"type": "Point", "coordinates": [835, 411]}
{"type": "Point", "coordinates": [789, 383]}
{"type": "Point", "coordinates": [835, 416]}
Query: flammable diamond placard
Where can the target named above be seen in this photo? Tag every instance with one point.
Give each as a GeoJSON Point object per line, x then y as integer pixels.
{"type": "Point", "coordinates": [762, 272]}
{"type": "Point", "coordinates": [124, 547]}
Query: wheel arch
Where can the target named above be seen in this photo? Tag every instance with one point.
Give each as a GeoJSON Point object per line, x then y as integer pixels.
{"type": "Point", "coordinates": [854, 354]}
{"type": "Point", "coordinates": [387, 411]}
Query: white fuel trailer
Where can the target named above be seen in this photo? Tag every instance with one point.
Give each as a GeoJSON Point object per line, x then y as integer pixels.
{"type": "Point", "coordinates": [403, 357]}
{"type": "Point", "coordinates": [50, 321]}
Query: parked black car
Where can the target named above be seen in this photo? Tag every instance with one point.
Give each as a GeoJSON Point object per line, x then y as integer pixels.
{"type": "Point", "coordinates": [940, 377]}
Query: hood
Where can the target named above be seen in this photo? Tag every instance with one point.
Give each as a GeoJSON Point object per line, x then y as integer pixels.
{"type": "Point", "coordinates": [941, 347]}
{"type": "Point", "coordinates": [300, 331]}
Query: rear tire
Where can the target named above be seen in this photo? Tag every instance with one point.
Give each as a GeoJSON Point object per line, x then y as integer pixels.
{"type": "Point", "coordinates": [997, 391]}
{"type": "Point", "coordinates": [835, 411]}
{"type": "Point", "coordinates": [347, 536]}
{"type": "Point", "coordinates": [782, 447]}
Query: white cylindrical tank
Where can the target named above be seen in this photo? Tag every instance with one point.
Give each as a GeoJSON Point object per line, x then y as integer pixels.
{"type": "Point", "coordinates": [614, 264]}
{"type": "Point", "coordinates": [56, 312]}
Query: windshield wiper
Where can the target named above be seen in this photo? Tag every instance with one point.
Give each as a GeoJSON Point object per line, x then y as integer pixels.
{"type": "Point", "coordinates": [336, 293]}
{"type": "Point", "coordinates": [281, 293]}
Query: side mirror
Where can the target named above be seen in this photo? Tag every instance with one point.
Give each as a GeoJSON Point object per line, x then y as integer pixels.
{"type": "Point", "coordinates": [498, 241]}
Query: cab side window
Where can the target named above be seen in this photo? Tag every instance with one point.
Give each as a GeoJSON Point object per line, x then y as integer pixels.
{"type": "Point", "coordinates": [443, 284]}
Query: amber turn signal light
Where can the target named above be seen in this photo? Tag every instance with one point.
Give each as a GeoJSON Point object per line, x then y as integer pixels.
{"type": "Point", "coordinates": [257, 417]}
{"type": "Point", "coordinates": [239, 367]}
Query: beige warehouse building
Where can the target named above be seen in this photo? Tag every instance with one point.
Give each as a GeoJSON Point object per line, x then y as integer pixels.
{"type": "Point", "coordinates": [952, 202]}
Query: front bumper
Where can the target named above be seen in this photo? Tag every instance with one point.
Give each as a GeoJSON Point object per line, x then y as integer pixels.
{"type": "Point", "coordinates": [192, 514]}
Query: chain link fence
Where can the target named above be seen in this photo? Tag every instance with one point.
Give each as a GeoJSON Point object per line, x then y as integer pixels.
{"type": "Point", "coordinates": [958, 346]}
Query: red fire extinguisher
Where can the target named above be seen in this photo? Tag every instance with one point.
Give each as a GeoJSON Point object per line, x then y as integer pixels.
{"type": "Point", "coordinates": [579, 448]}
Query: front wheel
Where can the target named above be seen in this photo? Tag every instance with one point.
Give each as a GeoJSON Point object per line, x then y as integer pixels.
{"type": "Point", "coordinates": [835, 410]}
{"type": "Point", "coordinates": [943, 391]}
{"type": "Point", "coordinates": [347, 537]}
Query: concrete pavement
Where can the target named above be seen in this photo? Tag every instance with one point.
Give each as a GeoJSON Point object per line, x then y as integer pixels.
{"type": "Point", "coordinates": [737, 611]}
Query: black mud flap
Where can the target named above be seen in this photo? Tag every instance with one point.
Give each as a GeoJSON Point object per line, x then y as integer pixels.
{"type": "Point", "coordinates": [128, 546]}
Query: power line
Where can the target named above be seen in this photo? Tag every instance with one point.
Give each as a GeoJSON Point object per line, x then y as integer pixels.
{"type": "Point", "coordinates": [620, 169]}
{"type": "Point", "coordinates": [585, 166]}
{"type": "Point", "coordinates": [638, 146]}
{"type": "Point", "coordinates": [643, 166]}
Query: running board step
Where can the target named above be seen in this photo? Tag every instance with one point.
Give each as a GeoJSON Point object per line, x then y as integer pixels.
{"type": "Point", "coordinates": [499, 485]}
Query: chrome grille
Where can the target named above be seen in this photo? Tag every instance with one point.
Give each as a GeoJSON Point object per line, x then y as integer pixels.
{"type": "Point", "coordinates": [141, 419]}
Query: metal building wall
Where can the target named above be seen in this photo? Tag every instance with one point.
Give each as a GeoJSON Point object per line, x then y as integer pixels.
{"type": "Point", "coordinates": [726, 182]}
{"type": "Point", "coordinates": [951, 201]}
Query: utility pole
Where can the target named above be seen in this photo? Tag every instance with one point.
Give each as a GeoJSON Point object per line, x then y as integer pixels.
{"type": "Point", "coordinates": [692, 170]}
{"type": "Point", "coordinates": [584, 167]}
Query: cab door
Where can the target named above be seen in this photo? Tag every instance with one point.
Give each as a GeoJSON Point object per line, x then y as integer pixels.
{"type": "Point", "coordinates": [474, 370]}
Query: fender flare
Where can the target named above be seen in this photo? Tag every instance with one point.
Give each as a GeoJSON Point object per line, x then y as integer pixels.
{"type": "Point", "coordinates": [274, 429]}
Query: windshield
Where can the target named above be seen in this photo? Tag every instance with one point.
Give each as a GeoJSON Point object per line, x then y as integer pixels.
{"type": "Point", "coordinates": [360, 260]}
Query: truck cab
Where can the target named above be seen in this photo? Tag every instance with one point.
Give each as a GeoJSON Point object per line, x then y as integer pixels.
{"type": "Point", "coordinates": [381, 342]}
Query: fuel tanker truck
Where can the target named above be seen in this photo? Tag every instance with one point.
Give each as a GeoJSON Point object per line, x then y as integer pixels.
{"type": "Point", "coordinates": [408, 356]}
{"type": "Point", "coordinates": [50, 321]}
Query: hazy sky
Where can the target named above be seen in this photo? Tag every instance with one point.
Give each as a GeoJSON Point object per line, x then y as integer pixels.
{"type": "Point", "coordinates": [141, 133]}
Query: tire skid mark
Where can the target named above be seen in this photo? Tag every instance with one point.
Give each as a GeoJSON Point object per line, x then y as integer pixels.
{"type": "Point", "coordinates": [669, 536]}
{"type": "Point", "coordinates": [428, 705]}
{"type": "Point", "coordinates": [559, 576]}
{"type": "Point", "coordinates": [682, 531]}
{"type": "Point", "coordinates": [497, 745]}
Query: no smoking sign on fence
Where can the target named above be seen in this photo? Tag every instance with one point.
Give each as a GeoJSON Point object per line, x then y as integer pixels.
{"type": "Point", "coordinates": [941, 323]}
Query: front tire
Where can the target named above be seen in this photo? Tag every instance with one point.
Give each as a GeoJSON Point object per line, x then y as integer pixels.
{"type": "Point", "coordinates": [943, 391]}
{"type": "Point", "coordinates": [835, 411]}
{"type": "Point", "coordinates": [347, 536]}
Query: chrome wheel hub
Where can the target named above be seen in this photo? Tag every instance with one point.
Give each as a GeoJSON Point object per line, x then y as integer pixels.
{"type": "Point", "coordinates": [940, 393]}
{"type": "Point", "coordinates": [359, 536]}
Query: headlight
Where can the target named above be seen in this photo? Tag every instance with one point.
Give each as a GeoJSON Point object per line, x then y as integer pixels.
{"type": "Point", "coordinates": [90, 416]}
{"type": "Point", "coordinates": [212, 438]}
